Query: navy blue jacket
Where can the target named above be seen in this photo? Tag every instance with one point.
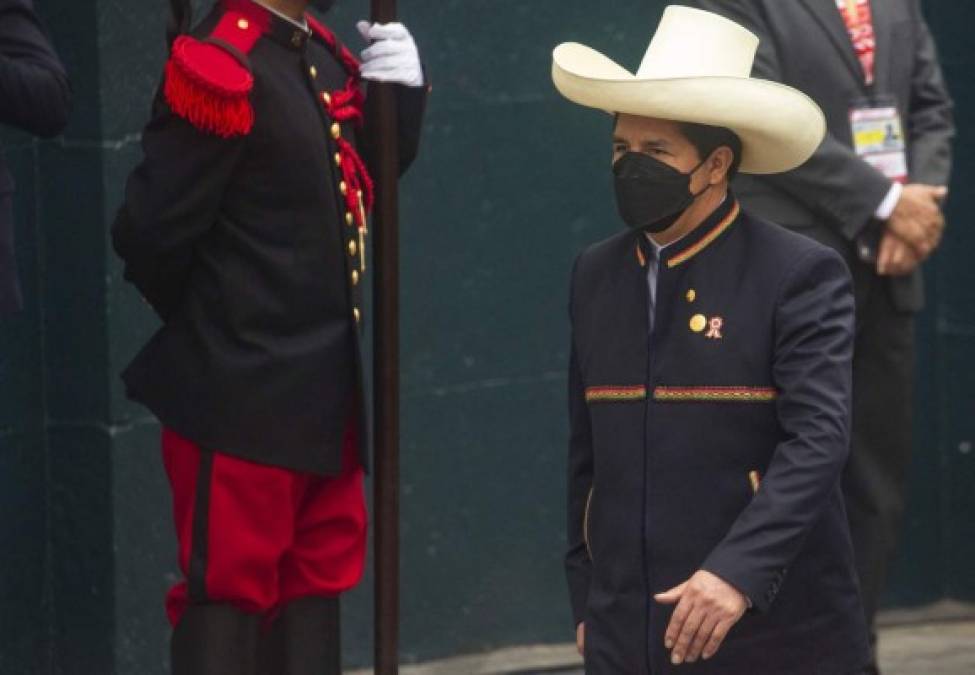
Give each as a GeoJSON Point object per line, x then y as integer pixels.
{"type": "Point", "coordinates": [34, 97]}
{"type": "Point", "coordinates": [716, 443]}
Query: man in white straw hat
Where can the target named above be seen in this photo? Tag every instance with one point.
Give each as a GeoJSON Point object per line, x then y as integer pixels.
{"type": "Point", "coordinates": [709, 383]}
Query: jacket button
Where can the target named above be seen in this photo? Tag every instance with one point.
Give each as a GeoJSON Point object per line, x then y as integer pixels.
{"type": "Point", "coordinates": [698, 323]}
{"type": "Point", "coordinates": [327, 98]}
{"type": "Point", "coordinates": [355, 277]}
{"type": "Point", "coordinates": [336, 131]}
{"type": "Point", "coordinates": [349, 219]}
{"type": "Point", "coordinates": [338, 159]}
{"type": "Point", "coordinates": [353, 247]}
{"type": "Point", "coordinates": [313, 71]}
{"type": "Point", "coordinates": [356, 314]}
{"type": "Point", "coordinates": [691, 295]}
{"type": "Point", "coordinates": [298, 38]}
{"type": "Point", "coordinates": [243, 24]}
{"type": "Point", "coordinates": [343, 188]}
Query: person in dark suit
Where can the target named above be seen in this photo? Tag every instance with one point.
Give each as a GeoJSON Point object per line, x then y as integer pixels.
{"type": "Point", "coordinates": [709, 381]}
{"type": "Point", "coordinates": [872, 65]}
{"type": "Point", "coordinates": [34, 97]}
{"type": "Point", "coordinates": [244, 227]}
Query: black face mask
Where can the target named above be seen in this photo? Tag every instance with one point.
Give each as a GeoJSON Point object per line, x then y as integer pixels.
{"type": "Point", "coordinates": [323, 5]}
{"type": "Point", "coordinates": [651, 195]}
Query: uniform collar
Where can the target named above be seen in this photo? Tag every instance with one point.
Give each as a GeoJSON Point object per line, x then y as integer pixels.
{"type": "Point", "coordinates": [705, 234]}
{"type": "Point", "coordinates": [303, 24]}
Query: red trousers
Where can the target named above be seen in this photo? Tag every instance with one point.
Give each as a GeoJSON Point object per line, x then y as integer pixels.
{"type": "Point", "coordinates": [259, 536]}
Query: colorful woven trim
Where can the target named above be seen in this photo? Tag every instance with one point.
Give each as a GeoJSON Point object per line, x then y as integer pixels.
{"type": "Point", "coordinates": [640, 257]}
{"type": "Point", "coordinates": [616, 394]}
{"type": "Point", "coordinates": [707, 240]}
{"type": "Point", "coordinates": [718, 394]}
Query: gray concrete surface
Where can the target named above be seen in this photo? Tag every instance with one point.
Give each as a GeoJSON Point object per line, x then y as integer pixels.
{"type": "Point", "coordinates": [946, 648]}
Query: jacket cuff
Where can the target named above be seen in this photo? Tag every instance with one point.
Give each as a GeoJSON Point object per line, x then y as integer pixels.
{"type": "Point", "coordinates": [760, 589]}
{"type": "Point", "coordinates": [578, 593]}
{"type": "Point", "coordinates": [874, 188]}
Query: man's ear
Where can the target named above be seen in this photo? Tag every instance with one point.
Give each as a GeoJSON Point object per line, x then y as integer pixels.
{"type": "Point", "coordinates": [719, 164]}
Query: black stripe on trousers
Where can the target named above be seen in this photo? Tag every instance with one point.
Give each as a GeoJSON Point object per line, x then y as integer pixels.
{"type": "Point", "coordinates": [201, 530]}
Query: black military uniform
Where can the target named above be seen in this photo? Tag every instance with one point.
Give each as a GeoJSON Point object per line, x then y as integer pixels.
{"type": "Point", "coordinates": [246, 249]}
{"type": "Point", "coordinates": [714, 442]}
{"type": "Point", "coordinates": [245, 228]}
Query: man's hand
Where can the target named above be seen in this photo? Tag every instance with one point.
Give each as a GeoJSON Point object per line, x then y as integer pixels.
{"type": "Point", "coordinates": [392, 56]}
{"type": "Point", "coordinates": [895, 257]}
{"type": "Point", "coordinates": [707, 608]}
{"type": "Point", "coordinates": [917, 218]}
{"type": "Point", "coordinates": [581, 638]}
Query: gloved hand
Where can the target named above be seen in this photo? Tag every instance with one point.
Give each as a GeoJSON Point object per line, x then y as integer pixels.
{"type": "Point", "coordinates": [392, 56]}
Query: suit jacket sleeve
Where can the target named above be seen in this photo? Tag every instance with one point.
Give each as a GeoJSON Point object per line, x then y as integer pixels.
{"type": "Point", "coordinates": [34, 89]}
{"type": "Point", "coordinates": [835, 183]}
{"type": "Point", "coordinates": [171, 200]}
{"type": "Point", "coordinates": [930, 123]}
{"type": "Point", "coordinates": [812, 369]}
{"type": "Point", "coordinates": [577, 563]}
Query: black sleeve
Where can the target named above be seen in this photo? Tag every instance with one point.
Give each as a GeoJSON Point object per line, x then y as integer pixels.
{"type": "Point", "coordinates": [171, 200]}
{"type": "Point", "coordinates": [930, 120]}
{"type": "Point", "coordinates": [34, 91]}
{"type": "Point", "coordinates": [834, 183]}
{"type": "Point", "coordinates": [411, 105]}
{"type": "Point", "coordinates": [578, 566]}
{"type": "Point", "coordinates": [812, 369]}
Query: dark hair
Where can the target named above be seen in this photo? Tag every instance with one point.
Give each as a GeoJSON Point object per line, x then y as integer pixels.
{"type": "Point", "coordinates": [707, 139]}
{"type": "Point", "coordinates": [179, 22]}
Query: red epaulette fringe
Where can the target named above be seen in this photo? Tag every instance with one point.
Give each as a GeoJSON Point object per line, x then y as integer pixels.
{"type": "Point", "coordinates": [209, 88]}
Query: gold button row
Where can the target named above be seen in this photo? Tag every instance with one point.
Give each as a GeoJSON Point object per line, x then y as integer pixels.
{"type": "Point", "coordinates": [336, 131]}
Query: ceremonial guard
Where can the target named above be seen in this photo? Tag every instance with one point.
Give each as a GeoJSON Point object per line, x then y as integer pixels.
{"type": "Point", "coordinates": [245, 228]}
{"type": "Point", "coordinates": [709, 383]}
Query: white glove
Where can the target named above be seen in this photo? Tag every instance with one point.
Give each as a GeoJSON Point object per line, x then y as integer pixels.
{"type": "Point", "coordinates": [392, 56]}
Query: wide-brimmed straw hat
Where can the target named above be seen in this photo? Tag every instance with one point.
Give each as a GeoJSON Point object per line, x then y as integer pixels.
{"type": "Point", "coordinates": [698, 69]}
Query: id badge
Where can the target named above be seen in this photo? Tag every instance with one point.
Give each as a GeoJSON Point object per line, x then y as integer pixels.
{"type": "Point", "coordinates": [878, 137]}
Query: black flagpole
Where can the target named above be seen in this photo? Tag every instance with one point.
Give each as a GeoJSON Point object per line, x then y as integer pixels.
{"type": "Point", "coordinates": [382, 109]}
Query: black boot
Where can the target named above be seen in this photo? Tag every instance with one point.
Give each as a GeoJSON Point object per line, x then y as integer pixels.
{"type": "Point", "coordinates": [304, 640]}
{"type": "Point", "coordinates": [215, 640]}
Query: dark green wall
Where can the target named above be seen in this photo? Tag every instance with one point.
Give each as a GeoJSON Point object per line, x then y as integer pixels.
{"type": "Point", "coordinates": [512, 182]}
{"type": "Point", "coordinates": [939, 542]}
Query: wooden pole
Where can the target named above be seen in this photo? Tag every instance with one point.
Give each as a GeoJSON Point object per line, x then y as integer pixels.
{"type": "Point", "coordinates": [383, 123]}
